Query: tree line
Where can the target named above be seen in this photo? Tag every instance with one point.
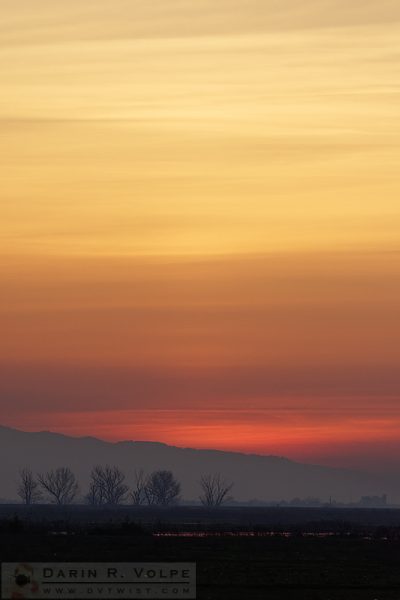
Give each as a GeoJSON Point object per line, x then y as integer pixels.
{"type": "Point", "coordinates": [108, 487]}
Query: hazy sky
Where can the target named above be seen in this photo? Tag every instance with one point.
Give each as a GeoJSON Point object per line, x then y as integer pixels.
{"type": "Point", "coordinates": [200, 223]}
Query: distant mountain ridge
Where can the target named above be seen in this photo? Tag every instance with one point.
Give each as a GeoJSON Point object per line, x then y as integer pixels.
{"type": "Point", "coordinates": [254, 476]}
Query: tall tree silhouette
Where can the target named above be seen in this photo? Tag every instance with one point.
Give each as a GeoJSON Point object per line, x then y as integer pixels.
{"type": "Point", "coordinates": [162, 488]}
{"type": "Point", "coordinates": [28, 487]}
{"type": "Point", "coordinates": [215, 490]}
{"type": "Point", "coordinates": [59, 484]}
{"type": "Point", "coordinates": [107, 485]}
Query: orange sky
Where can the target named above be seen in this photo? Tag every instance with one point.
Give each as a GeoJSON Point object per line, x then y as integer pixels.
{"type": "Point", "coordinates": [200, 223]}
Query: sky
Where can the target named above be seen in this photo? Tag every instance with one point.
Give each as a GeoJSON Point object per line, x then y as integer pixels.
{"type": "Point", "coordinates": [200, 224]}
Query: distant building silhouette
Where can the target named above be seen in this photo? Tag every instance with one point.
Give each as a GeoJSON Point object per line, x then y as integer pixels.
{"type": "Point", "coordinates": [373, 501]}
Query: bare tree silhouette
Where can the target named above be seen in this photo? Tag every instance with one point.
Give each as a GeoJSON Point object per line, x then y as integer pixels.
{"type": "Point", "coordinates": [162, 488]}
{"type": "Point", "coordinates": [59, 484]}
{"type": "Point", "coordinates": [215, 490]}
{"type": "Point", "coordinates": [139, 491]}
{"type": "Point", "coordinates": [94, 495]}
{"type": "Point", "coordinates": [107, 485]}
{"type": "Point", "coordinates": [28, 487]}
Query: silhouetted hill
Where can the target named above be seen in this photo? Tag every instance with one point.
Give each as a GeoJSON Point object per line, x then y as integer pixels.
{"type": "Point", "coordinates": [255, 476]}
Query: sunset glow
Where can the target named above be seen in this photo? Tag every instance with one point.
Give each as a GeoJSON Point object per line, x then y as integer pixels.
{"type": "Point", "coordinates": [200, 224]}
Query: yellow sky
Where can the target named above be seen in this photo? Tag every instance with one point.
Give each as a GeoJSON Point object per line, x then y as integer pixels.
{"type": "Point", "coordinates": [129, 129]}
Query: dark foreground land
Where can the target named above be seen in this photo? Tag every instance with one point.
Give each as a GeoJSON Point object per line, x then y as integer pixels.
{"type": "Point", "coordinates": [302, 554]}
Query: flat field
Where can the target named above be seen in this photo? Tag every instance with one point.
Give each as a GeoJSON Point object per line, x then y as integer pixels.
{"type": "Point", "coordinates": [302, 554]}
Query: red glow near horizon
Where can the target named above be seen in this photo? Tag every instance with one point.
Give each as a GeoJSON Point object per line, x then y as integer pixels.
{"type": "Point", "coordinates": [340, 440]}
